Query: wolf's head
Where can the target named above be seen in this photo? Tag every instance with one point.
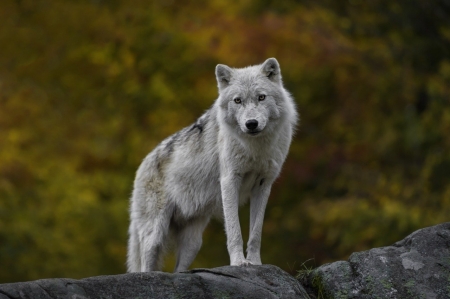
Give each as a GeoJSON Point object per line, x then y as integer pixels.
{"type": "Point", "coordinates": [251, 99]}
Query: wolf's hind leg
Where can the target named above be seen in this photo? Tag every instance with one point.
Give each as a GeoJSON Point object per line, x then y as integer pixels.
{"type": "Point", "coordinates": [189, 242]}
{"type": "Point", "coordinates": [153, 242]}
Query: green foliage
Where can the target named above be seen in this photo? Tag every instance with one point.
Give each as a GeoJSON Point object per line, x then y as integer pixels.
{"type": "Point", "coordinates": [88, 88]}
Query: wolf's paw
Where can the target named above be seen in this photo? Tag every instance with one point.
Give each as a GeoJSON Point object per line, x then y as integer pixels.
{"type": "Point", "coordinates": [244, 263]}
{"type": "Point", "coordinates": [256, 263]}
{"type": "Point", "coordinates": [241, 261]}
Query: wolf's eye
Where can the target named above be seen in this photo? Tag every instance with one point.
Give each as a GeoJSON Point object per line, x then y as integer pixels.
{"type": "Point", "coordinates": [237, 100]}
{"type": "Point", "coordinates": [261, 97]}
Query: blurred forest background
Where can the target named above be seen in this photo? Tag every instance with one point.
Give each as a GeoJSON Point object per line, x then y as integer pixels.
{"type": "Point", "coordinates": [89, 87]}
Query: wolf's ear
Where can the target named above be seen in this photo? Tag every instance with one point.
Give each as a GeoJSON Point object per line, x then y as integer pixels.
{"type": "Point", "coordinates": [271, 69]}
{"type": "Point", "coordinates": [223, 75]}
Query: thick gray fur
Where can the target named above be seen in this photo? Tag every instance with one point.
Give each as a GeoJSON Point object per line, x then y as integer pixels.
{"type": "Point", "coordinates": [231, 154]}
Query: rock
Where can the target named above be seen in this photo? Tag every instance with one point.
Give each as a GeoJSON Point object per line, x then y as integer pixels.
{"type": "Point", "coordinates": [416, 267]}
{"type": "Point", "coordinates": [225, 282]}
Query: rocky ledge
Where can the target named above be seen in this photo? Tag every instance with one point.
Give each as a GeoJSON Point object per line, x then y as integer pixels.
{"type": "Point", "coordinates": [416, 267]}
{"type": "Point", "coordinates": [225, 282]}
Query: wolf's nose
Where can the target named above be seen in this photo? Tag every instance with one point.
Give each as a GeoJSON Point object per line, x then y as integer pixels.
{"type": "Point", "coordinates": [251, 124]}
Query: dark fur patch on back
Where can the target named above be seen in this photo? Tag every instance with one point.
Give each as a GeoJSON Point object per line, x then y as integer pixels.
{"type": "Point", "coordinates": [198, 126]}
{"type": "Point", "coordinates": [185, 134]}
{"type": "Point", "coordinates": [200, 123]}
{"type": "Point", "coordinates": [170, 144]}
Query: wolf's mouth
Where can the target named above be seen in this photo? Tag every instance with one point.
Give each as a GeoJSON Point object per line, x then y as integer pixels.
{"type": "Point", "coordinates": [253, 133]}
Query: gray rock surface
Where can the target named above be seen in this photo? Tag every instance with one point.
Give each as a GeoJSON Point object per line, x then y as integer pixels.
{"type": "Point", "coordinates": [225, 282]}
{"type": "Point", "coordinates": [416, 267]}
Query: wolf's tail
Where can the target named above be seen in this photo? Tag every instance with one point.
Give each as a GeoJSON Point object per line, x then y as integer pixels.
{"type": "Point", "coordinates": [134, 252]}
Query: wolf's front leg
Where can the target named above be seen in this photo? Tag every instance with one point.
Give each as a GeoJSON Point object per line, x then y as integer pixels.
{"type": "Point", "coordinates": [230, 185]}
{"type": "Point", "coordinates": [258, 204]}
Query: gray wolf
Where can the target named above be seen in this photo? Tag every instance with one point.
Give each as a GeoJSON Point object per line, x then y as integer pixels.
{"type": "Point", "coordinates": [232, 154]}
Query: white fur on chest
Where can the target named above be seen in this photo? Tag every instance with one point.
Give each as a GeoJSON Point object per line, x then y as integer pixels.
{"type": "Point", "coordinates": [255, 160]}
